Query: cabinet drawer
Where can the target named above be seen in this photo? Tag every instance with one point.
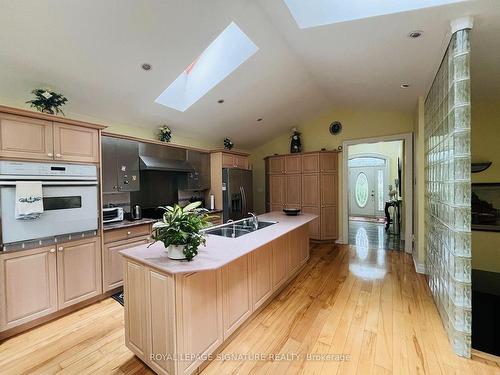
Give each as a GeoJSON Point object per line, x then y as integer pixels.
{"type": "Point", "coordinates": [125, 233]}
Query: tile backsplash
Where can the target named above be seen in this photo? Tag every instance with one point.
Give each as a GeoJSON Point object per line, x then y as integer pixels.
{"type": "Point", "coordinates": [118, 200]}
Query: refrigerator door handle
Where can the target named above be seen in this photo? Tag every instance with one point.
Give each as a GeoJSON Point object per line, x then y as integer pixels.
{"type": "Point", "coordinates": [244, 198]}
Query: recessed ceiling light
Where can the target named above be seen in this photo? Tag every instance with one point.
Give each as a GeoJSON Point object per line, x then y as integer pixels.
{"type": "Point", "coordinates": [405, 85]}
{"type": "Point", "coordinates": [146, 66]}
{"type": "Point", "coordinates": [415, 34]}
{"type": "Point", "coordinates": [259, 119]}
{"type": "Point", "coordinates": [220, 101]}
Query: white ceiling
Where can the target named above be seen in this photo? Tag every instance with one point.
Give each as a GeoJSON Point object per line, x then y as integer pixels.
{"type": "Point", "coordinates": [92, 50]}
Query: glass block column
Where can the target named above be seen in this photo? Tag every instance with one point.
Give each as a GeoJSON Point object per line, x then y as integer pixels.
{"type": "Point", "coordinates": [448, 192]}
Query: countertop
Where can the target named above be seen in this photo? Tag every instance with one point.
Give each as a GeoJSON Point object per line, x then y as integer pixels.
{"type": "Point", "coordinates": [219, 250]}
{"type": "Point", "coordinates": [126, 223]}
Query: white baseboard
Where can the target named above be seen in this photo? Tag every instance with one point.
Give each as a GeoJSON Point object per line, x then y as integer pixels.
{"type": "Point", "coordinates": [419, 267]}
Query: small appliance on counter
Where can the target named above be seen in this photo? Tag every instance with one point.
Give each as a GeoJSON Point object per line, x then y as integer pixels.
{"type": "Point", "coordinates": [112, 214]}
{"type": "Point", "coordinates": [135, 213]}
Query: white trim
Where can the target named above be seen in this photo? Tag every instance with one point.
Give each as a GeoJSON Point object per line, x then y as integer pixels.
{"type": "Point", "coordinates": [419, 267]}
{"type": "Point", "coordinates": [408, 195]}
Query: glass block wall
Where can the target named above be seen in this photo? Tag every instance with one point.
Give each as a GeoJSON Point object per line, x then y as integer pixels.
{"type": "Point", "coordinates": [448, 192]}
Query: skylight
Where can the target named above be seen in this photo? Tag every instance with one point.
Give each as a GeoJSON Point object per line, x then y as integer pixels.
{"type": "Point", "coordinates": [226, 53]}
{"type": "Point", "coordinates": [313, 13]}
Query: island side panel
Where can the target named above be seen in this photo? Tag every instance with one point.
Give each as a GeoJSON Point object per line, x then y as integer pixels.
{"type": "Point", "coordinates": [198, 316]}
{"type": "Point", "coordinates": [135, 308]}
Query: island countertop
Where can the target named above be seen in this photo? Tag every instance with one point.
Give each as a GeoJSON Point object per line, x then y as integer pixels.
{"type": "Point", "coordinates": [219, 250]}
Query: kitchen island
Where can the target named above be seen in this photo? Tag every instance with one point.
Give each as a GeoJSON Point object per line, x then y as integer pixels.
{"type": "Point", "coordinates": [177, 314]}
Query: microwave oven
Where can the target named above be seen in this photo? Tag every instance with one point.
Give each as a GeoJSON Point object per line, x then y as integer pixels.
{"type": "Point", "coordinates": [112, 214]}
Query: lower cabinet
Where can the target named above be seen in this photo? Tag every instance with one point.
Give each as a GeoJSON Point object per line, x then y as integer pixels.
{"type": "Point", "coordinates": [112, 262]}
{"type": "Point", "coordinates": [29, 290]}
{"type": "Point", "coordinates": [38, 282]}
{"type": "Point", "coordinates": [78, 271]}
{"type": "Point", "coordinates": [280, 261]}
{"type": "Point", "coordinates": [236, 289]}
{"type": "Point", "coordinates": [135, 308]}
{"type": "Point", "coordinates": [329, 223]}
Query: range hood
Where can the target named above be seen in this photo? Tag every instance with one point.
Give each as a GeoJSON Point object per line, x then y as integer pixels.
{"type": "Point", "coordinates": [152, 163]}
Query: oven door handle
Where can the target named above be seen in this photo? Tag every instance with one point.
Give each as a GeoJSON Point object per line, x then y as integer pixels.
{"type": "Point", "coordinates": [54, 183]}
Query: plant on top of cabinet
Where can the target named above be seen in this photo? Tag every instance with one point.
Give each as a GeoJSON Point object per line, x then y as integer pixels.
{"type": "Point", "coordinates": [228, 144]}
{"type": "Point", "coordinates": [47, 101]}
{"type": "Point", "coordinates": [165, 134]}
{"type": "Point", "coordinates": [180, 230]}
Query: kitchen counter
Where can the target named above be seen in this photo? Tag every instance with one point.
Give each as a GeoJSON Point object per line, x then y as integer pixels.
{"type": "Point", "coordinates": [218, 250]}
{"type": "Point", "coordinates": [126, 223]}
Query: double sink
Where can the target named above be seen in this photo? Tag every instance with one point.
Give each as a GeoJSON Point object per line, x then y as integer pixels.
{"type": "Point", "coordinates": [239, 228]}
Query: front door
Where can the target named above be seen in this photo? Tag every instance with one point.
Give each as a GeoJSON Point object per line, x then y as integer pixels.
{"type": "Point", "coordinates": [367, 186]}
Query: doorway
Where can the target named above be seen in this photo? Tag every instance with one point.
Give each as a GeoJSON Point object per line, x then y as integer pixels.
{"type": "Point", "coordinates": [378, 192]}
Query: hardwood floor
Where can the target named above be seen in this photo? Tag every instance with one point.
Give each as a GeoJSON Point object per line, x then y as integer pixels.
{"type": "Point", "coordinates": [369, 306]}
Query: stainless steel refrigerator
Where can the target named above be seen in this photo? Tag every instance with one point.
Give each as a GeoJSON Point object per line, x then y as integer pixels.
{"type": "Point", "coordinates": [237, 194]}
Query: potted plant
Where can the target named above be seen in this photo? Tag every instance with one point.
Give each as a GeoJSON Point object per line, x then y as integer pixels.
{"type": "Point", "coordinates": [180, 230]}
{"type": "Point", "coordinates": [47, 101]}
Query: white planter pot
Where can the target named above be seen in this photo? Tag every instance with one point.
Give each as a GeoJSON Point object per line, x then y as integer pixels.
{"type": "Point", "coordinates": [176, 252]}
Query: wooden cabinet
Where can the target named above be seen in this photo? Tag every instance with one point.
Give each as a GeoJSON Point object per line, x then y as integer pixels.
{"type": "Point", "coordinates": [277, 191]}
{"type": "Point", "coordinates": [328, 162]}
{"type": "Point", "coordinates": [293, 191]}
{"type": "Point", "coordinates": [293, 164]}
{"type": "Point", "coordinates": [78, 271]}
{"type": "Point", "coordinates": [328, 220]}
{"type": "Point", "coordinates": [276, 165]}
{"type": "Point", "coordinates": [311, 189]}
{"type": "Point", "coordinates": [310, 163]}
{"type": "Point", "coordinates": [76, 143]}
{"type": "Point", "coordinates": [127, 233]}
{"type": "Point", "coordinates": [307, 181]}
{"type": "Point", "coordinates": [262, 271]}
{"type": "Point", "coordinates": [28, 286]}
{"type": "Point", "coordinates": [29, 137]}
{"type": "Point", "coordinates": [112, 262]}
{"type": "Point", "coordinates": [280, 261]}
{"type": "Point", "coordinates": [22, 137]}
{"type": "Point", "coordinates": [234, 161]}
{"type": "Point", "coordinates": [237, 294]}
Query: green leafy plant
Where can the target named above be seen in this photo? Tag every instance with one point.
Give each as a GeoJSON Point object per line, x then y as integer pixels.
{"type": "Point", "coordinates": [47, 101]}
{"type": "Point", "coordinates": [182, 226]}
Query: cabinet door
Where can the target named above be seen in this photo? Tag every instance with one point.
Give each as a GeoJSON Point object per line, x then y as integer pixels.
{"type": "Point", "coordinates": [198, 316]}
{"type": "Point", "coordinates": [227, 160]}
{"type": "Point", "coordinates": [276, 165]}
{"type": "Point", "coordinates": [241, 161]}
{"type": "Point", "coordinates": [78, 271]}
{"type": "Point", "coordinates": [293, 190]}
{"type": "Point", "coordinates": [75, 143]}
{"type": "Point", "coordinates": [277, 190]}
{"type": "Point", "coordinates": [329, 223]}
{"type": "Point", "coordinates": [280, 261]}
{"type": "Point", "coordinates": [28, 282]}
{"type": "Point", "coordinates": [328, 162]}
{"type": "Point", "coordinates": [329, 192]}
{"type": "Point", "coordinates": [22, 137]}
{"type": "Point", "coordinates": [262, 281]}
{"type": "Point", "coordinates": [293, 164]}
{"type": "Point", "coordinates": [135, 307]}
{"type": "Point", "coordinates": [236, 291]}
{"type": "Point", "coordinates": [314, 226]}
{"type": "Point", "coordinates": [112, 262]}
{"type": "Point", "coordinates": [127, 160]}
{"type": "Point", "coordinates": [310, 190]}
{"type": "Point", "coordinates": [109, 165]}
{"type": "Point", "coordinates": [310, 163]}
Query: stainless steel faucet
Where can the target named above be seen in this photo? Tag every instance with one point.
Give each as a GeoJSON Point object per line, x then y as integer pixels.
{"type": "Point", "coordinates": [255, 220]}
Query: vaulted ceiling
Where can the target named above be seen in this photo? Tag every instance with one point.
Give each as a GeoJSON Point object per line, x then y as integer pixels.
{"type": "Point", "coordinates": [92, 52]}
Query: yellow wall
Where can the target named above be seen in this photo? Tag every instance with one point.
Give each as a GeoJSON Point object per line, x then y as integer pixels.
{"type": "Point", "coordinates": [356, 124]}
{"type": "Point", "coordinates": [485, 143]}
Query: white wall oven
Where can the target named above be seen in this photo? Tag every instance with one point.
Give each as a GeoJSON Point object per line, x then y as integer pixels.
{"type": "Point", "coordinates": [70, 202]}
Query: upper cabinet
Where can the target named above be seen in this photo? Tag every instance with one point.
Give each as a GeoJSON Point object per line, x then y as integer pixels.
{"type": "Point", "coordinates": [27, 135]}
{"type": "Point", "coordinates": [232, 160]}
{"type": "Point", "coordinates": [120, 165]}
{"type": "Point", "coordinates": [76, 143]}
{"type": "Point", "coordinates": [199, 179]}
{"type": "Point", "coordinates": [22, 137]}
